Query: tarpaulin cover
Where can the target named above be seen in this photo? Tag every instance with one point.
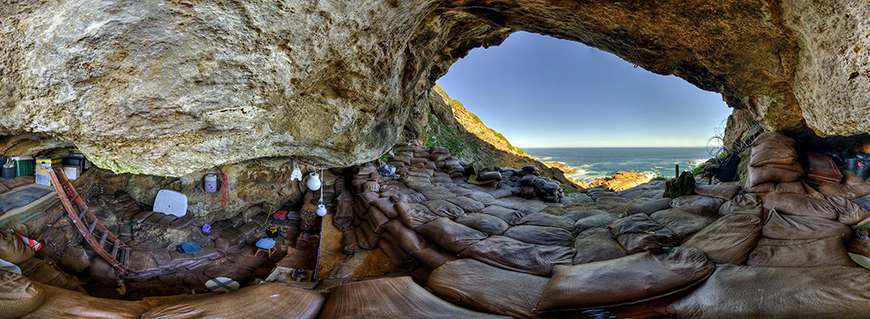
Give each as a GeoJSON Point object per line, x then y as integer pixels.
{"type": "Point", "coordinates": [508, 253]}
{"type": "Point", "coordinates": [449, 235]}
{"type": "Point", "coordinates": [640, 232]}
{"type": "Point", "coordinates": [697, 204]}
{"type": "Point", "coordinates": [18, 296]}
{"type": "Point", "coordinates": [641, 277]}
{"type": "Point", "coordinates": [800, 253]}
{"type": "Point", "coordinates": [776, 292]}
{"type": "Point", "coordinates": [540, 235]}
{"type": "Point", "coordinates": [274, 300]}
{"type": "Point", "coordinates": [62, 303]}
{"type": "Point", "coordinates": [478, 286]}
{"type": "Point", "coordinates": [397, 297]}
{"type": "Point", "coordinates": [487, 224]}
{"type": "Point", "coordinates": [596, 244]}
{"type": "Point", "coordinates": [800, 205]}
{"type": "Point", "coordinates": [782, 226]}
{"type": "Point", "coordinates": [724, 192]}
{"type": "Point", "coordinates": [728, 240]}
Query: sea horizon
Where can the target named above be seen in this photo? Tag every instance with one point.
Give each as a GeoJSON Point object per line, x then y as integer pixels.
{"type": "Point", "coordinates": [597, 162]}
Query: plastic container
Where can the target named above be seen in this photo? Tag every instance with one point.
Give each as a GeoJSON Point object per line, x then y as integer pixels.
{"type": "Point", "coordinates": [210, 183]}
{"type": "Point", "coordinates": [863, 169]}
{"type": "Point", "coordinates": [8, 172]}
{"type": "Point", "coordinates": [24, 165]}
{"type": "Point", "coordinates": [48, 161]}
{"type": "Point", "coordinates": [72, 172]}
{"type": "Point", "coordinates": [43, 180]}
{"type": "Point", "coordinates": [852, 164]}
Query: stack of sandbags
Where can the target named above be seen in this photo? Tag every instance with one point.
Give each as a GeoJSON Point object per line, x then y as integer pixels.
{"type": "Point", "coordinates": [801, 231]}
{"type": "Point", "coordinates": [774, 166]}
{"type": "Point", "coordinates": [18, 296]}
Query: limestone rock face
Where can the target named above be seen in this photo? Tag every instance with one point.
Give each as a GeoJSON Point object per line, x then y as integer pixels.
{"type": "Point", "coordinates": [172, 87]}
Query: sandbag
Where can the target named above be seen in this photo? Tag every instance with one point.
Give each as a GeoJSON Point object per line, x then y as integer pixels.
{"type": "Point", "coordinates": [432, 257]}
{"type": "Point", "coordinates": [449, 235]}
{"type": "Point", "coordinates": [576, 215]}
{"type": "Point", "coordinates": [398, 257]}
{"type": "Point", "coordinates": [361, 239]}
{"type": "Point", "coordinates": [488, 176]}
{"type": "Point", "coordinates": [642, 277]}
{"type": "Point", "coordinates": [406, 238]}
{"type": "Point", "coordinates": [62, 303]}
{"type": "Point", "coordinates": [724, 192]}
{"type": "Point", "coordinates": [385, 205]}
{"type": "Point", "coordinates": [768, 187]}
{"type": "Point", "coordinates": [781, 226]}
{"type": "Point", "coordinates": [444, 208]}
{"type": "Point", "coordinates": [742, 204]}
{"type": "Point", "coordinates": [349, 243]}
{"type": "Point", "coordinates": [728, 240]}
{"type": "Point", "coordinates": [850, 213]}
{"type": "Point", "coordinates": [818, 252]}
{"type": "Point", "coordinates": [800, 205]}
{"type": "Point", "coordinates": [681, 222]}
{"type": "Point", "coordinates": [408, 197]}
{"type": "Point", "coordinates": [368, 197]}
{"type": "Point", "coordinates": [541, 219]}
{"type": "Point", "coordinates": [371, 187]}
{"type": "Point", "coordinates": [369, 233]}
{"type": "Point", "coordinates": [18, 296]}
{"type": "Point", "coordinates": [475, 285]}
{"type": "Point", "coordinates": [414, 215]}
{"type": "Point", "coordinates": [499, 193]}
{"type": "Point", "coordinates": [395, 297]}
{"type": "Point", "coordinates": [847, 191]}
{"type": "Point", "coordinates": [274, 300]}
{"type": "Point", "coordinates": [512, 217]}
{"type": "Point", "coordinates": [13, 249]}
{"type": "Point", "coordinates": [637, 233]}
{"type": "Point", "coordinates": [701, 205]}
{"type": "Point", "coordinates": [649, 207]}
{"type": "Point", "coordinates": [778, 293]}
{"type": "Point", "coordinates": [512, 254]}
{"type": "Point", "coordinates": [775, 173]}
{"type": "Point", "coordinates": [774, 137]}
{"type": "Point", "coordinates": [376, 219]}
{"type": "Point", "coordinates": [540, 235]}
{"type": "Point", "coordinates": [596, 244]}
{"type": "Point", "coordinates": [860, 242]}
{"type": "Point", "coordinates": [50, 274]}
{"type": "Point", "coordinates": [487, 224]}
{"type": "Point", "coordinates": [468, 204]}
{"type": "Point", "coordinates": [790, 188]}
{"type": "Point", "coordinates": [343, 215]}
{"type": "Point", "coordinates": [772, 153]}
{"type": "Point", "coordinates": [483, 197]}
{"type": "Point", "coordinates": [596, 221]}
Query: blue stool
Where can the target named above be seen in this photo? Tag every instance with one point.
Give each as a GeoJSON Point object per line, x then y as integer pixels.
{"type": "Point", "coordinates": [267, 244]}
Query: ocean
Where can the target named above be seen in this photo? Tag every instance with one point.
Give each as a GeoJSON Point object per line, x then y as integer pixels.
{"type": "Point", "coordinates": [592, 163]}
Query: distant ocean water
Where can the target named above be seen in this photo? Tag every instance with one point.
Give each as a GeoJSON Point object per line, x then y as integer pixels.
{"type": "Point", "coordinates": [593, 163]}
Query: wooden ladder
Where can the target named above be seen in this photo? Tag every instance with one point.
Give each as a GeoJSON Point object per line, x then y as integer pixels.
{"type": "Point", "coordinates": [92, 230]}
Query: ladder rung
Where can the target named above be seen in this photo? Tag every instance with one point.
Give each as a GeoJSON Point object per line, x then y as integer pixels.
{"type": "Point", "coordinates": [93, 225]}
{"type": "Point", "coordinates": [115, 249]}
{"type": "Point", "coordinates": [82, 215]}
{"type": "Point", "coordinates": [126, 257]}
{"type": "Point", "coordinates": [73, 199]}
{"type": "Point", "coordinates": [103, 238]}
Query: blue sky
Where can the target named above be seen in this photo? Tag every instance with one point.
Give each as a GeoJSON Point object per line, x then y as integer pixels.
{"type": "Point", "coordinates": [541, 91]}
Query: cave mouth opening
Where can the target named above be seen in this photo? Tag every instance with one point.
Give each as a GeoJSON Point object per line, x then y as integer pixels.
{"type": "Point", "coordinates": [564, 101]}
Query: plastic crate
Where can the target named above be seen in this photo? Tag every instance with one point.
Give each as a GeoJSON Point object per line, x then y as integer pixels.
{"type": "Point", "coordinates": [43, 180]}
{"type": "Point", "coordinates": [24, 165]}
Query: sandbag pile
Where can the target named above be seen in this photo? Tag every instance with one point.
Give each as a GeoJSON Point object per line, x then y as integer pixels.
{"type": "Point", "coordinates": [774, 166]}
{"type": "Point", "coordinates": [525, 183]}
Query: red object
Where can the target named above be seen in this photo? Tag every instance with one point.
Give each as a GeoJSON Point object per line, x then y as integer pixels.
{"type": "Point", "coordinates": [280, 215]}
{"type": "Point", "coordinates": [30, 242]}
{"type": "Point", "coordinates": [822, 170]}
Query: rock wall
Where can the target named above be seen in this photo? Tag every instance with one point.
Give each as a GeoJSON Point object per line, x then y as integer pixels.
{"type": "Point", "coordinates": [172, 87]}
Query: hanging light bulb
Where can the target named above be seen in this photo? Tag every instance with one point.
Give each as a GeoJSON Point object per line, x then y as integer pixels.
{"type": "Point", "coordinates": [321, 210]}
{"type": "Point", "coordinates": [313, 181]}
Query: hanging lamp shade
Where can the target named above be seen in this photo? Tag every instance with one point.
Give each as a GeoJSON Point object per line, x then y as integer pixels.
{"type": "Point", "coordinates": [313, 182]}
{"type": "Point", "coordinates": [321, 210]}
